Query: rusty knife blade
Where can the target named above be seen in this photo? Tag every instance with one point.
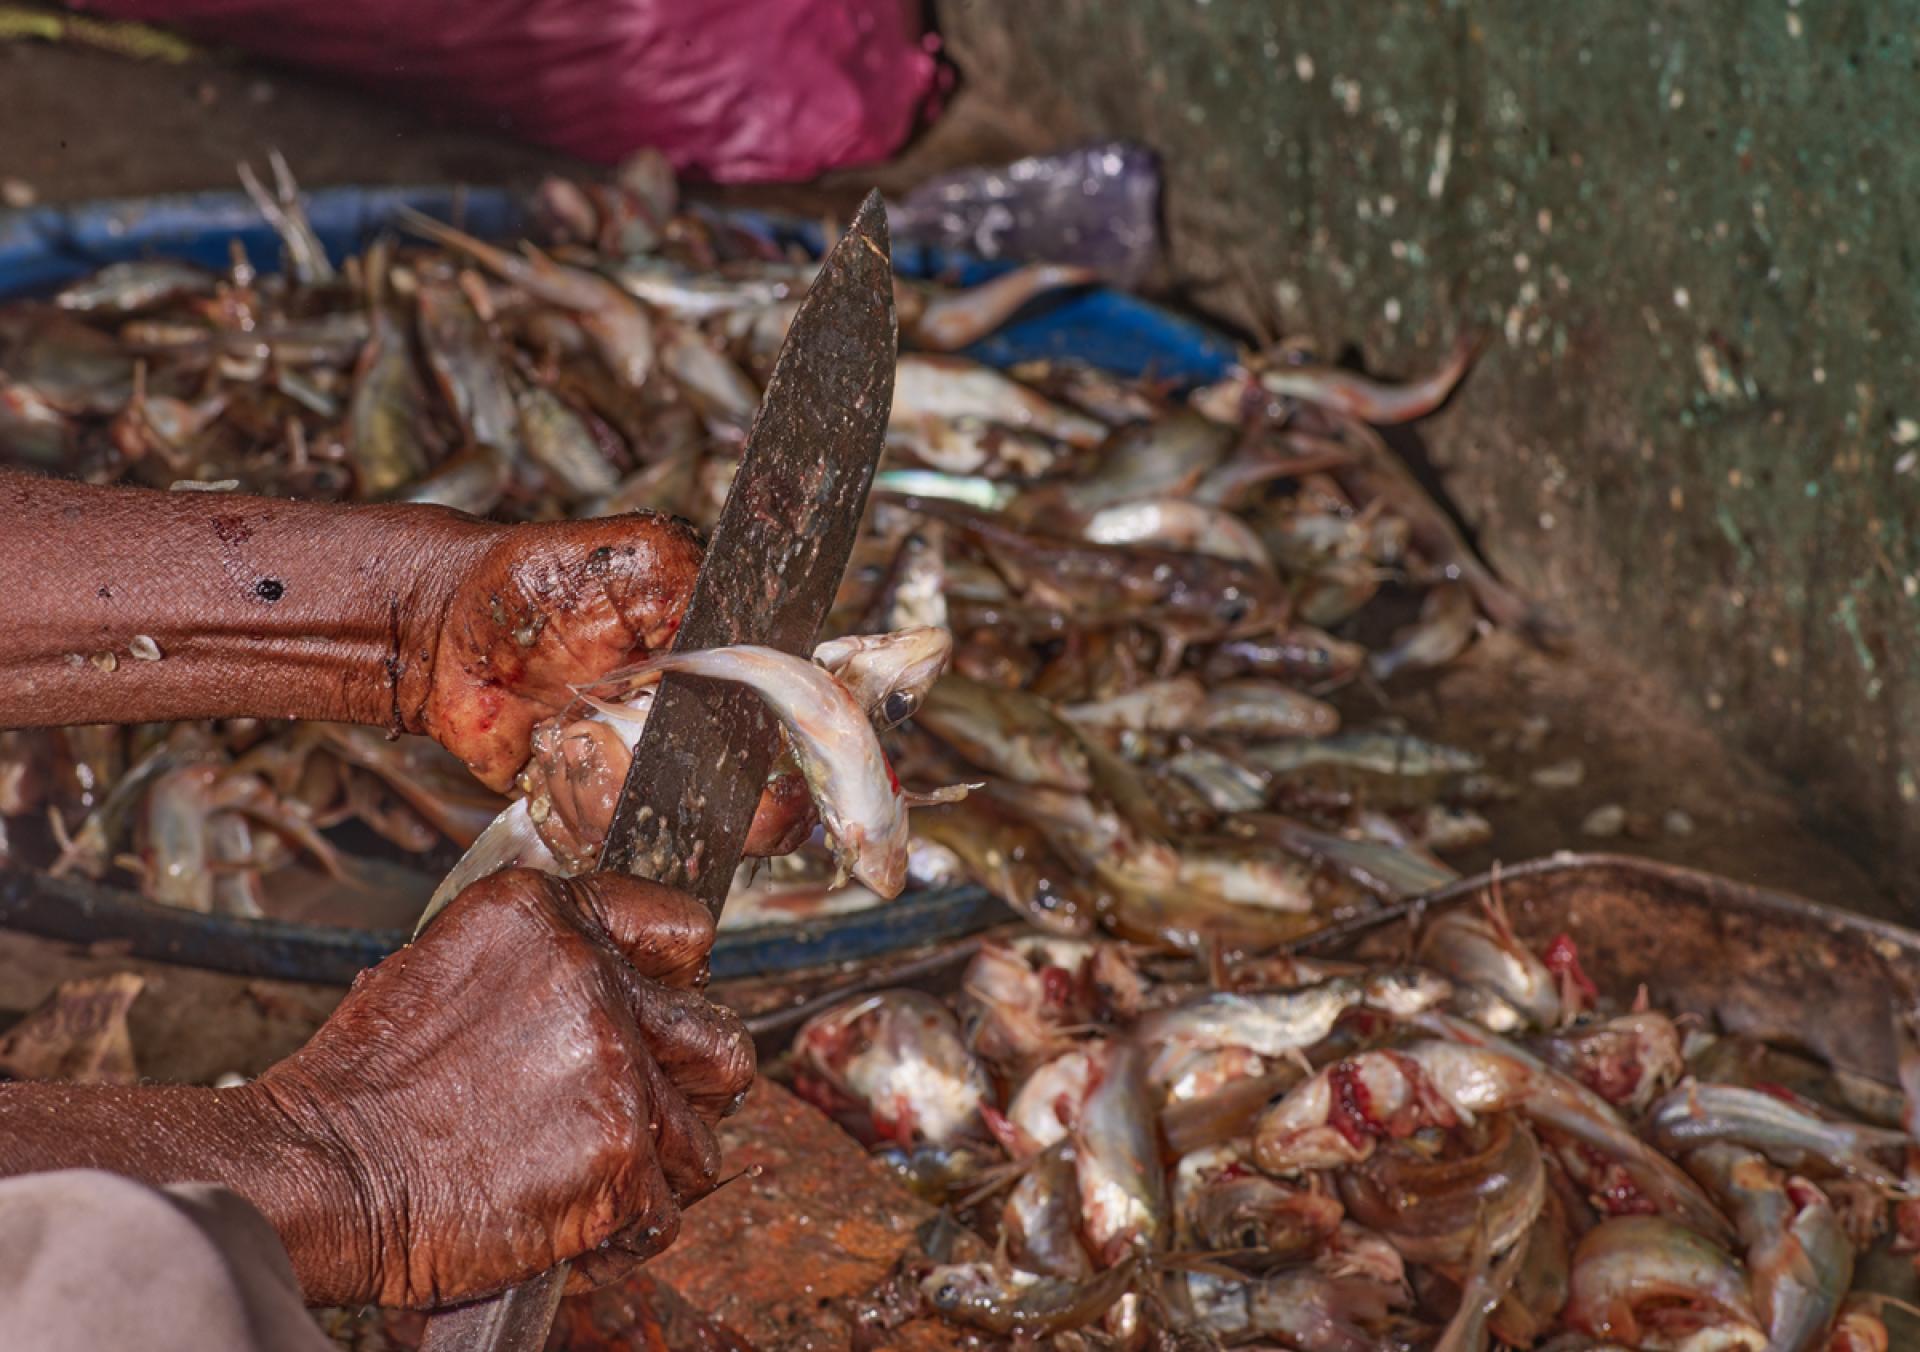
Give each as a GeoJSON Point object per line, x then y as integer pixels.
{"type": "Point", "coordinates": [771, 570]}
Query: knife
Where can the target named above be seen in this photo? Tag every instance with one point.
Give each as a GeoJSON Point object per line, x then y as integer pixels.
{"type": "Point", "coordinates": [772, 566]}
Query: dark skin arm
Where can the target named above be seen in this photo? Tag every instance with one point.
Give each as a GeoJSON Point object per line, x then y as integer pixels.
{"type": "Point", "coordinates": [415, 619]}
{"type": "Point", "coordinates": [535, 1080]}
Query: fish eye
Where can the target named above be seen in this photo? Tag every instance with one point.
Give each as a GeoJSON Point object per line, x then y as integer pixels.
{"type": "Point", "coordinates": [899, 707]}
{"type": "Point", "coordinates": [1234, 609]}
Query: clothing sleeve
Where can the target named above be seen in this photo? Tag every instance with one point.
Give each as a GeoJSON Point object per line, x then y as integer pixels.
{"type": "Point", "coordinates": [92, 1261]}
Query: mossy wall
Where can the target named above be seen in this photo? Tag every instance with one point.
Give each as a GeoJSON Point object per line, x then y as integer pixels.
{"type": "Point", "coordinates": [1693, 229]}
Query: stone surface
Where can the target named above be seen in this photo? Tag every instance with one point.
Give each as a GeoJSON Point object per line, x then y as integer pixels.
{"type": "Point", "coordinates": [1689, 228]}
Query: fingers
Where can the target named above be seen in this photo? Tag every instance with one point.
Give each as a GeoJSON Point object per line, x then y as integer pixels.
{"type": "Point", "coordinates": [702, 1047]}
{"type": "Point", "coordinates": [683, 1145]}
{"type": "Point", "coordinates": [783, 820]}
{"type": "Point", "coordinates": [663, 934]}
{"type": "Point", "coordinates": [655, 1225]}
{"type": "Point", "coordinates": [551, 606]}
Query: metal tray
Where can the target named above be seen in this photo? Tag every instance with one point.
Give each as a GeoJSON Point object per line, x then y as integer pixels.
{"type": "Point", "coordinates": [1762, 963]}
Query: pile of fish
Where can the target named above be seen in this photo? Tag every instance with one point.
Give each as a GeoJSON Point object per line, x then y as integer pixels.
{"type": "Point", "coordinates": [1149, 595]}
{"type": "Point", "coordinates": [1465, 1150]}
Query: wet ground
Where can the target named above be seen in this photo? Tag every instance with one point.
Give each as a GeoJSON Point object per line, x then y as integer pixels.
{"type": "Point", "coordinates": [76, 125]}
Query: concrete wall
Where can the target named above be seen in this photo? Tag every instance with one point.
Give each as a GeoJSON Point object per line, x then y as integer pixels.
{"type": "Point", "coordinates": [1693, 227]}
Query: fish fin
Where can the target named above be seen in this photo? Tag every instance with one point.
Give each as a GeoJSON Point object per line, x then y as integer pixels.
{"type": "Point", "coordinates": [952, 793]}
{"type": "Point", "coordinates": [510, 839]}
{"type": "Point", "coordinates": [619, 713]}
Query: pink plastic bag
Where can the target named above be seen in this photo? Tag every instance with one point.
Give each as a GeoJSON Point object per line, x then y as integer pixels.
{"type": "Point", "coordinates": [730, 90]}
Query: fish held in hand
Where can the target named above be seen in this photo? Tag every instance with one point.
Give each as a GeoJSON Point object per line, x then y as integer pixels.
{"type": "Point", "coordinates": [860, 799]}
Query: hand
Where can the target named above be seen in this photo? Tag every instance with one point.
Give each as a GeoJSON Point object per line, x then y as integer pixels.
{"type": "Point", "coordinates": [535, 611]}
{"type": "Point", "coordinates": [535, 1080]}
{"type": "Point", "coordinates": [544, 609]}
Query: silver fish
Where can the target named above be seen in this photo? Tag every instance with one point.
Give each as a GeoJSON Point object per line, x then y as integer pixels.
{"type": "Point", "coordinates": [898, 1055]}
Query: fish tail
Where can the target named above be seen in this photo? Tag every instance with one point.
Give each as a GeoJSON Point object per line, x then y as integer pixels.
{"type": "Point", "coordinates": [510, 840]}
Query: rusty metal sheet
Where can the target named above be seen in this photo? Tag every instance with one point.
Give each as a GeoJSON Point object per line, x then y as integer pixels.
{"type": "Point", "coordinates": [783, 1257]}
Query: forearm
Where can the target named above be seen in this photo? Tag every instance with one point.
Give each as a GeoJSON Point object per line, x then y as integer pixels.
{"type": "Point", "coordinates": [238, 1138]}
{"type": "Point", "coordinates": [123, 605]}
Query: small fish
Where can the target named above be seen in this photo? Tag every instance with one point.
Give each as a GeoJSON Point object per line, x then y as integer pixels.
{"type": "Point", "coordinates": [1482, 950]}
{"type": "Point", "coordinates": [1261, 710]}
{"type": "Point", "coordinates": [621, 331]}
{"type": "Point", "coordinates": [1021, 997]}
{"type": "Point", "coordinates": [1187, 598]}
{"type": "Point", "coordinates": [897, 1055]}
{"type": "Point", "coordinates": [1012, 858]}
{"type": "Point", "coordinates": [388, 408]}
{"type": "Point", "coordinates": [861, 802]}
{"type": "Point", "coordinates": [1273, 1023]}
{"type": "Point", "coordinates": [306, 255]}
{"type": "Point", "coordinates": [1157, 460]}
{"type": "Point", "coordinates": [471, 481]}
{"type": "Point", "coordinates": [1007, 1301]}
{"type": "Point", "coordinates": [681, 293]}
{"type": "Point", "coordinates": [1799, 1260]}
{"type": "Point", "coordinates": [1240, 1209]}
{"type": "Point", "coordinates": [717, 388]}
{"type": "Point", "coordinates": [1041, 1219]}
{"type": "Point", "coordinates": [125, 288]}
{"type": "Point", "coordinates": [1567, 1106]}
{"type": "Point", "coordinates": [1632, 1275]}
{"type": "Point", "coordinates": [1006, 732]}
{"type": "Point", "coordinates": [1173, 705]}
{"type": "Point", "coordinates": [1297, 654]}
{"type": "Point", "coordinates": [1445, 627]}
{"type": "Point", "coordinates": [1489, 1187]}
{"type": "Point", "coordinates": [1390, 872]}
{"type": "Point", "coordinates": [461, 355]}
{"type": "Point", "coordinates": [1095, 1098]}
{"type": "Point", "coordinates": [1371, 400]}
{"type": "Point", "coordinates": [1338, 1116]}
{"type": "Point", "coordinates": [1626, 1060]}
{"type": "Point", "coordinates": [1696, 1114]}
{"type": "Point", "coordinates": [949, 389]}
{"type": "Point", "coordinates": [1175, 523]}
{"type": "Point", "coordinates": [1379, 753]}
{"type": "Point", "coordinates": [556, 438]}
{"type": "Point", "coordinates": [952, 320]}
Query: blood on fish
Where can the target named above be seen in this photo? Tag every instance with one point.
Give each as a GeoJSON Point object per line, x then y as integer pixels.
{"type": "Point", "coordinates": [1773, 1089]}
{"type": "Point", "coordinates": [1352, 1111]}
{"type": "Point", "coordinates": [1056, 986]}
{"type": "Point", "coordinates": [1613, 1079]}
{"type": "Point", "coordinates": [1563, 959]}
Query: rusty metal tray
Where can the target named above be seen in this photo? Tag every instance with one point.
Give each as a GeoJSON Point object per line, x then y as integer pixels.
{"type": "Point", "coordinates": [1762, 963]}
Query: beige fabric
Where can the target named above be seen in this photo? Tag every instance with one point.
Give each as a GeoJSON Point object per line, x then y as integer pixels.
{"type": "Point", "coordinates": [92, 1262]}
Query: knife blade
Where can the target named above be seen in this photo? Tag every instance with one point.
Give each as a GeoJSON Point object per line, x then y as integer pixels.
{"type": "Point", "coordinates": [771, 569]}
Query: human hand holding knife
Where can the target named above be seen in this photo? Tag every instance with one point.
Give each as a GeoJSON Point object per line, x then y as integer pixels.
{"type": "Point", "coordinates": [769, 575]}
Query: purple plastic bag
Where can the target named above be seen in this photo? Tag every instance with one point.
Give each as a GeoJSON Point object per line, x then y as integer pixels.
{"type": "Point", "coordinates": [1098, 205]}
{"type": "Point", "coordinates": [730, 90]}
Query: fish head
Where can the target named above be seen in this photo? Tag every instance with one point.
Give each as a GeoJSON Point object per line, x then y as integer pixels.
{"type": "Point", "coordinates": [879, 861]}
{"type": "Point", "coordinates": [960, 1286]}
{"type": "Point", "coordinates": [890, 674]}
